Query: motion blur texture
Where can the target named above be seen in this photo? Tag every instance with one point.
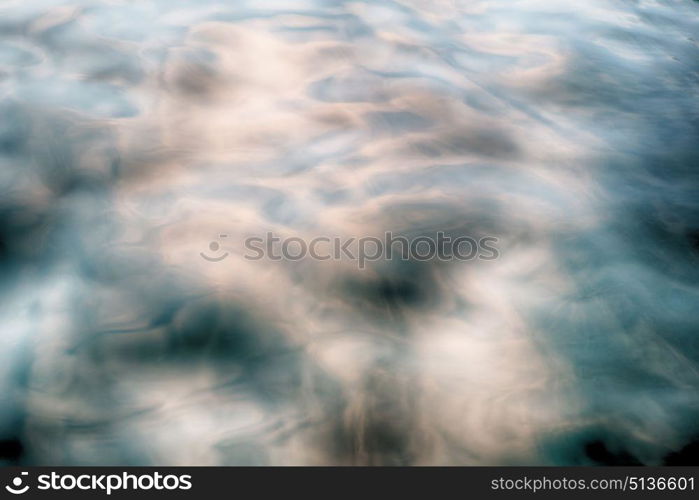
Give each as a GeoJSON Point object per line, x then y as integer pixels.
{"type": "Point", "coordinates": [134, 133]}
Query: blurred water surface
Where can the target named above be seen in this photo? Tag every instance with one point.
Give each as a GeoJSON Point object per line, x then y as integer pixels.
{"type": "Point", "coordinates": [134, 133]}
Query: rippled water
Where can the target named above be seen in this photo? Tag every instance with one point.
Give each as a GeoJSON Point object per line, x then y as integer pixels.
{"type": "Point", "coordinates": [134, 133]}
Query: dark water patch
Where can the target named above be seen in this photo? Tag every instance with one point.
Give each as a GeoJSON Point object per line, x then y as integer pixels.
{"type": "Point", "coordinates": [351, 88]}
{"type": "Point", "coordinates": [11, 450]}
{"type": "Point", "coordinates": [490, 143]}
{"type": "Point", "coordinates": [593, 446]}
{"type": "Point", "coordinates": [397, 121]}
{"type": "Point", "coordinates": [194, 75]}
{"type": "Point", "coordinates": [407, 286]}
{"type": "Point", "coordinates": [598, 453]}
{"type": "Point", "coordinates": [687, 455]}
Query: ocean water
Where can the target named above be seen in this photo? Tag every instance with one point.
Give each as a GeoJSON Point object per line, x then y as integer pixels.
{"type": "Point", "coordinates": [137, 136]}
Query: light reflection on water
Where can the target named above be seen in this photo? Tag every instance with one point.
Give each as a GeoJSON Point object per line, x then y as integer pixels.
{"type": "Point", "coordinates": [134, 133]}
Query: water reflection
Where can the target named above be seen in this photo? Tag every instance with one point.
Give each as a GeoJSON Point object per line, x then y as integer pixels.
{"type": "Point", "coordinates": [132, 134]}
